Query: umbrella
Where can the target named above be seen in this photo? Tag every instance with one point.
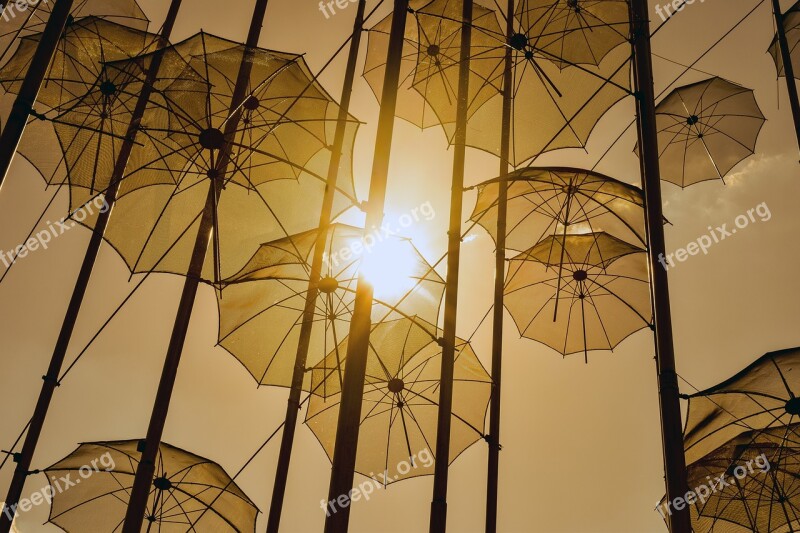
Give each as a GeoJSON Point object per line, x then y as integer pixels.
{"type": "Point", "coordinates": [791, 24]}
{"type": "Point", "coordinates": [546, 200]}
{"type": "Point", "coordinates": [760, 397]}
{"type": "Point", "coordinates": [189, 492]}
{"type": "Point", "coordinates": [278, 157]}
{"type": "Point", "coordinates": [429, 70]}
{"type": "Point", "coordinates": [400, 405]}
{"type": "Point", "coordinates": [705, 129]}
{"type": "Point", "coordinates": [261, 308]}
{"type": "Point", "coordinates": [19, 21]}
{"type": "Point", "coordinates": [564, 102]}
{"type": "Point", "coordinates": [602, 282]}
{"type": "Point", "coordinates": [751, 483]}
{"type": "Point", "coordinates": [576, 31]}
{"type": "Point", "coordinates": [87, 110]}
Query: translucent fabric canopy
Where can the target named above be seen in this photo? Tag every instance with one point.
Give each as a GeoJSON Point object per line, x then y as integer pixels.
{"type": "Point", "coordinates": [762, 396]}
{"type": "Point", "coordinates": [84, 111]}
{"type": "Point", "coordinates": [547, 200]}
{"type": "Point", "coordinates": [556, 103]}
{"type": "Point", "coordinates": [261, 307]}
{"type": "Point", "coordinates": [705, 129]}
{"type": "Point", "coordinates": [274, 160]}
{"type": "Point", "coordinates": [400, 407]}
{"type": "Point", "coordinates": [579, 293]}
{"type": "Point", "coordinates": [19, 22]}
{"type": "Point", "coordinates": [580, 31]}
{"type": "Point", "coordinates": [554, 106]}
{"type": "Point", "coordinates": [189, 492]}
{"type": "Point", "coordinates": [791, 25]}
{"type": "Point", "coordinates": [761, 492]}
{"type": "Point", "coordinates": [431, 57]}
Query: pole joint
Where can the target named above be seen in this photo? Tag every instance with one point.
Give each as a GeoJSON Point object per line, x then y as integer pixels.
{"type": "Point", "coordinates": [492, 442]}
{"type": "Point", "coordinates": [50, 379]}
{"type": "Point", "coordinates": [296, 403]}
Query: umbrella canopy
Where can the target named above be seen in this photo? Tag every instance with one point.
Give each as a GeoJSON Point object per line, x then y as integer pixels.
{"type": "Point", "coordinates": [189, 492]}
{"type": "Point", "coordinates": [400, 407]}
{"type": "Point", "coordinates": [555, 105]}
{"type": "Point", "coordinates": [261, 308]}
{"type": "Point", "coordinates": [601, 287]}
{"type": "Point", "coordinates": [77, 64]}
{"type": "Point", "coordinates": [87, 110]}
{"type": "Point", "coordinates": [791, 24]}
{"type": "Point", "coordinates": [431, 57]}
{"type": "Point", "coordinates": [547, 200]}
{"type": "Point", "coordinates": [760, 397]}
{"type": "Point", "coordinates": [761, 488]}
{"type": "Point", "coordinates": [705, 129]}
{"type": "Point", "coordinates": [276, 158]}
{"type": "Point", "coordinates": [576, 31]}
{"type": "Point", "coordinates": [31, 17]}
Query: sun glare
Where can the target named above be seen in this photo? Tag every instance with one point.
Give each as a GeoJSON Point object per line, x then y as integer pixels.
{"type": "Point", "coordinates": [389, 267]}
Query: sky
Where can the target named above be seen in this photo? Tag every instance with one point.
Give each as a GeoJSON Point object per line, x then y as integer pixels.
{"type": "Point", "coordinates": [581, 443]}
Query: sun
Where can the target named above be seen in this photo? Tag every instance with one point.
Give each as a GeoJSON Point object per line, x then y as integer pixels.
{"type": "Point", "coordinates": [389, 267]}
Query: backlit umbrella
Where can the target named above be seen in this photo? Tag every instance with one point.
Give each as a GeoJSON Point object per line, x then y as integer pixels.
{"type": "Point", "coordinates": [547, 200]}
{"type": "Point", "coordinates": [576, 31]}
{"type": "Point", "coordinates": [399, 411]}
{"type": "Point", "coordinates": [261, 307]}
{"type": "Point", "coordinates": [601, 288]}
{"type": "Point", "coordinates": [751, 483]}
{"type": "Point", "coordinates": [24, 18]}
{"type": "Point", "coordinates": [705, 129]}
{"type": "Point", "coordinates": [276, 158]}
{"type": "Point", "coordinates": [189, 492]}
{"type": "Point", "coordinates": [760, 397]}
{"type": "Point", "coordinates": [430, 67]}
{"type": "Point", "coordinates": [84, 111]}
{"type": "Point", "coordinates": [791, 23]}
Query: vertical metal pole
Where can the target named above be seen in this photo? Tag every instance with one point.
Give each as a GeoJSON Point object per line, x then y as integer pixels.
{"type": "Point", "coordinates": [346, 445]}
{"type": "Point", "coordinates": [671, 428]}
{"type": "Point", "coordinates": [59, 353]}
{"type": "Point", "coordinates": [29, 91]}
{"type": "Point", "coordinates": [145, 470]}
{"type": "Point", "coordinates": [438, 522]}
{"type": "Point", "coordinates": [788, 67]}
{"type": "Point", "coordinates": [293, 407]}
{"type": "Point", "coordinates": [499, 285]}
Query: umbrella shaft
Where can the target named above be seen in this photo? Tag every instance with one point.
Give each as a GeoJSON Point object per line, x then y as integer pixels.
{"type": "Point", "coordinates": [146, 467]}
{"type": "Point", "coordinates": [346, 444]}
{"type": "Point", "coordinates": [438, 522]}
{"type": "Point", "coordinates": [298, 373]}
{"type": "Point", "coordinates": [671, 429]}
{"type": "Point", "coordinates": [493, 471]}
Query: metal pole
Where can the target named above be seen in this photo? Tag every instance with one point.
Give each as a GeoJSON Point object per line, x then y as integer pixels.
{"type": "Point", "coordinates": [145, 470]}
{"type": "Point", "coordinates": [671, 429]}
{"type": "Point", "coordinates": [34, 78]}
{"type": "Point", "coordinates": [788, 67]}
{"type": "Point", "coordinates": [293, 407]}
{"type": "Point", "coordinates": [346, 445]}
{"type": "Point", "coordinates": [499, 285]}
{"type": "Point", "coordinates": [438, 522]}
{"type": "Point", "coordinates": [25, 457]}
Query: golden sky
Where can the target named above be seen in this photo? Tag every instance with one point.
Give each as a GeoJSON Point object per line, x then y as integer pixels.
{"type": "Point", "coordinates": [581, 443]}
